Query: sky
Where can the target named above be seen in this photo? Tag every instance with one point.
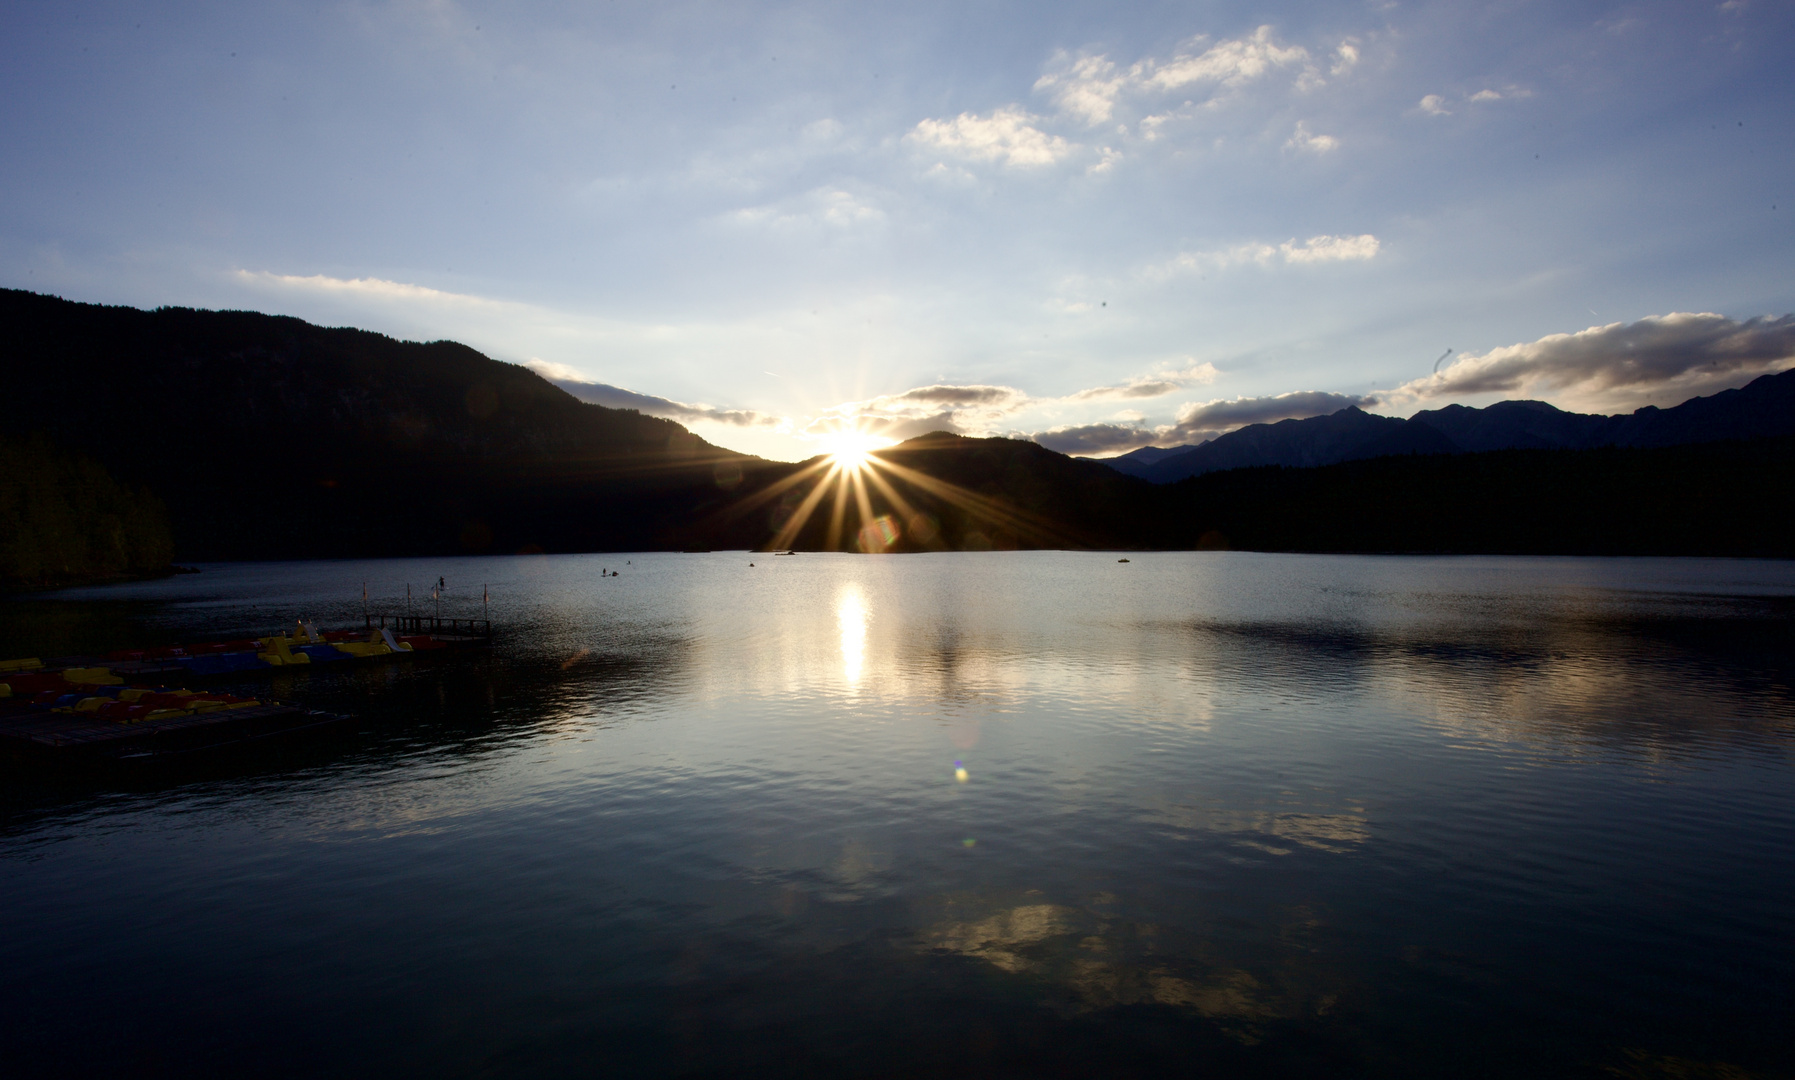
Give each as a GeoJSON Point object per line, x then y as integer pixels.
{"type": "Point", "coordinates": [1100, 226]}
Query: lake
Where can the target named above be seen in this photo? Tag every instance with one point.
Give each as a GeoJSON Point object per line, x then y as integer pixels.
{"type": "Point", "coordinates": [997, 814]}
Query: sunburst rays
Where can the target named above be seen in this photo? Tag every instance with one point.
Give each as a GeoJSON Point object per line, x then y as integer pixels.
{"type": "Point", "coordinates": [862, 493]}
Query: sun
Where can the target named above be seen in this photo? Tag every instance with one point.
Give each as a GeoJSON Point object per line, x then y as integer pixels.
{"type": "Point", "coordinates": [851, 477]}
{"type": "Point", "coordinates": [849, 450]}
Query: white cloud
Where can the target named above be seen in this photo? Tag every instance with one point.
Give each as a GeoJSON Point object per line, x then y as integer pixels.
{"type": "Point", "coordinates": [1152, 386]}
{"type": "Point", "coordinates": [1085, 88]}
{"type": "Point", "coordinates": [499, 326]}
{"type": "Point", "coordinates": [829, 207]}
{"type": "Point", "coordinates": [942, 173]}
{"type": "Point", "coordinates": [1150, 126]}
{"type": "Point", "coordinates": [555, 372]}
{"type": "Point", "coordinates": [1091, 89]}
{"type": "Point", "coordinates": [1302, 139]}
{"type": "Point", "coordinates": [1316, 249]}
{"type": "Point", "coordinates": [1007, 135]}
{"type": "Point", "coordinates": [1435, 104]}
{"type": "Point", "coordinates": [1319, 249]}
{"type": "Point", "coordinates": [1228, 64]}
{"type": "Point", "coordinates": [369, 288]}
{"type": "Point", "coordinates": [1662, 360]}
{"type": "Point", "coordinates": [841, 209]}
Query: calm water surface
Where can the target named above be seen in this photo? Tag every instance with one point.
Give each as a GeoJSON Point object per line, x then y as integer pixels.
{"type": "Point", "coordinates": [1007, 814]}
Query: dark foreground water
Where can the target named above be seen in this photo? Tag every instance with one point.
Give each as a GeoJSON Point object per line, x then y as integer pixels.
{"type": "Point", "coordinates": [1008, 814]}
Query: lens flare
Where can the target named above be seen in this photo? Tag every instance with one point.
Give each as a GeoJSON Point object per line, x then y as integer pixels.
{"type": "Point", "coordinates": [879, 534]}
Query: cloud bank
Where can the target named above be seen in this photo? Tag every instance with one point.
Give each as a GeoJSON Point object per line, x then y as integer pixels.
{"type": "Point", "coordinates": [1206, 419]}
{"type": "Point", "coordinates": [1088, 439]}
{"type": "Point", "coordinates": [1198, 421]}
{"type": "Point", "coordinates": [985, 410]}
{"type": "Point", "coordinates": [1659, 360]}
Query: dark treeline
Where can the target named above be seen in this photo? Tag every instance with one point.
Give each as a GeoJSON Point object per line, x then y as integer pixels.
{"type": "Point", "coordinates": [65, 520]}
{"type": "Point", "coordinates": [1727, 498]}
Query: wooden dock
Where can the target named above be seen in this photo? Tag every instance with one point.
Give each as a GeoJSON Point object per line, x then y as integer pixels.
{"type": "Point", "coordinates": [450, 631]}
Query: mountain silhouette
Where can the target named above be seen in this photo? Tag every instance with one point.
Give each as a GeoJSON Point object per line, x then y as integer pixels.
{"type": "Point", "coordinates": [1765, 408]}
{"type": "Point", "coordinates": [268, 437]}
{"type": "Point", "coordinates": [137, 436]}
{"type": "Point", "coordinates": [1139, 462]}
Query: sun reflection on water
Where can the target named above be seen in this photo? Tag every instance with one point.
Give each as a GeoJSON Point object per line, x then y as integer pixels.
{"type": "Point", "coordinates": [851, 616]}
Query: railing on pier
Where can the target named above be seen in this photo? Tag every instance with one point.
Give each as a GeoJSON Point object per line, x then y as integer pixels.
{"type": "Point", "coordinates": [434, 625]}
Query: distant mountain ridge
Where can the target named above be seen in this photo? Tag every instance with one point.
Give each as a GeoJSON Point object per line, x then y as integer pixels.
{"type": "Point", "coordinates": [1764, 408]}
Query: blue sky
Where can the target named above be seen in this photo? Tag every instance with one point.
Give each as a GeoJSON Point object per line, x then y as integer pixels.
{"type": "Point", "coordinates": [1098, 225]}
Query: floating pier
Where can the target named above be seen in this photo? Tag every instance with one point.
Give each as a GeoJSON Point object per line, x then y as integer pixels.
{"type": "Point", "coordinates": [123, 706]}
